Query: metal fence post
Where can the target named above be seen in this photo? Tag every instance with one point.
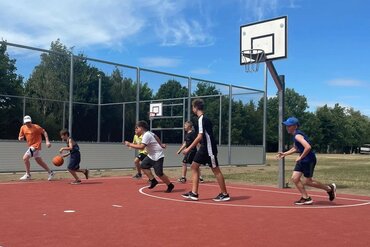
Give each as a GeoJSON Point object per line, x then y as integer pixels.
{"type": "Point", "coordinates": [99, 108]}
{"type": "Point", "coordinates": [220, 122]}
{"type": "Point", "coordinates": [229, 137]}
{"type": "Point", "coordinates": [70, 112]}
{"type": "Point", "coordinates": [24, 106]}
{"type": "Point", "coordinates": [123, 121]}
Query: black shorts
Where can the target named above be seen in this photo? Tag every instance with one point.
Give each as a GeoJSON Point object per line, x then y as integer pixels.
{"type": "Point", "coordinates": [74, 161]}
{"type": "Point", "coordinates": [141, 156]}
{"type": "Point", "coordinates": [148, 163]}
{"type": "Point", "coordinates": [307, 167]}
{"type": "Point", "coordinates": [189, 157]}
{"type": "Point", "coordinates": [203, 158]}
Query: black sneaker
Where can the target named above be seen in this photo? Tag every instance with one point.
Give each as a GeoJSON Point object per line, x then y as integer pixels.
{"type": "Point", "coordinates": [222, 197]}
{"type": "Point", "coordinates": [182, 180]}
{"type": "Point", "coordinates": [332, 194]}
{"type": "Point", "coordinates": [201, 180]}
{"type": "Point", "coordinates": [191, 195]}
{"type": "Point", "coordinates": [137, 176]}
{"type": "Point", "coordinates": [304, 201]}
{"type": "Point", "coordinates": [153, 183]}
{"type": "Point", "coordinates": [169, 188]}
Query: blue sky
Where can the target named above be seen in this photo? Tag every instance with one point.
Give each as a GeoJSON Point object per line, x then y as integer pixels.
{"type": "Point", "coordinates": [327, 40]}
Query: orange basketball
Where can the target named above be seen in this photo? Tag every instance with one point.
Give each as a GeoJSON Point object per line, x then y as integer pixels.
{"type": "Point", "coordinates": [58, 160]}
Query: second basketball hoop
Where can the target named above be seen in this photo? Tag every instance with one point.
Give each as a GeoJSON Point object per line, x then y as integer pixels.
{"type": "Point", "coordinates": [152, 115]}
{"type": "Point", "coordinates": [155, 110]}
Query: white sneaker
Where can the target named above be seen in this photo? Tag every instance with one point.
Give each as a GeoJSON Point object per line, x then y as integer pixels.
{"type": "Point", "coordinates": [26, 177]}
{"type": "Point", "coordinates": [51, 175]}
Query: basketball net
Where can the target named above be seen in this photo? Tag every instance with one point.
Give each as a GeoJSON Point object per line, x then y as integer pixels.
{"type": "Point", "coordinates": [252, 58]}
{"type": "Point", "coordinates": [152, 115]}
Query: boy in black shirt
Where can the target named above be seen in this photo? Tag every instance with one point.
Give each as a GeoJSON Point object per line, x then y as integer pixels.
{"type": "Point", "coordinates": [190, 136]}
{"type": "Point", "coordinates": [206, 154]}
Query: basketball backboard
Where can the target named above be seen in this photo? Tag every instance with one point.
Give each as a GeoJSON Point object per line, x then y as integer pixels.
{"type": "Point", "coordinates": [156, 108]}
{"type": "Point", "coordinates": [269, 36]}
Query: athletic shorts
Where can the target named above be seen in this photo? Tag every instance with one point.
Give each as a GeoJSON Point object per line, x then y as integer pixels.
{"type": "Point", "coordinates": [203, 158]}
{"type": "Point", "coordinates": [306, 167]}
{"type": "Point", "coordinates": [74, 161]}
{"type": "Point", "coordinates": [189, 157]}
{"type": "Point", "coordinates": [32, 152]}
{"type": "Point", "coordinates": [148, 163]}
{"type": "Point", "coordinates": [141, 156]}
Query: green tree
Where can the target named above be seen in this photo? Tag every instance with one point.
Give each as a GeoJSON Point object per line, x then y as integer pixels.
{"type": "Point", "coordinates": [356, 129]}
{"type": "Point", "coordinates": [312, 127]}
{"type": "Point", "coordinates": [122, 89]}
{"type": "Point", "coordinates": [171, 89]}
{"type": "Point", "coordinates": [172, 94]}
{"type": "Point", "coordinates": [212, 108]}
{"type": "Point", "coordinates": [327, 127]}
{"type": "Point", "coordinates": [295, 105]}
{"type": "Point", "coordinates": [49, 81]}
{"type": "Point", "coordinates": [10, 107]}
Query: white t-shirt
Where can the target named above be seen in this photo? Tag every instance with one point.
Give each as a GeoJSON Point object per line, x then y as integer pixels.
{"type": "Point", "coordinates": [155, 151]}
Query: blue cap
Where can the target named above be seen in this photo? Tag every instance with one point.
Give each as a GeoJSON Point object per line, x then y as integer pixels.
{"type": "Point", "coordinates": [291, 121]}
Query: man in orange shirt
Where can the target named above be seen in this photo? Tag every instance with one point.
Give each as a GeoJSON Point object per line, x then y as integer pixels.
{"type": "Point", "coordinates": [33, 135]}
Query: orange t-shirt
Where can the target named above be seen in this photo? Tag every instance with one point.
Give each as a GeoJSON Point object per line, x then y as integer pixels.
{"type": "Point", "coordinates": [33, 135]}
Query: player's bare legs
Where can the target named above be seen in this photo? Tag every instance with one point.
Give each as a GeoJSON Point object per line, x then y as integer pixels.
{"type": "Point", "coordinates": [220, 179]}
{"type": "Point", "coordinates": [296, 178]}
{"type": "Point", "coordinates": [165, 179]}
{"type": "Point", "coordinates": [195, 176]}
{"type": "Point", "coordinates": [314, 183]}
{"type": "Point", "coordinates": [42, 164]}
{"type": "Point", "coordinates": [74, 174]}
{"type": "Point", "coordinates": [148, 173]}
{"type": "Point", "coordinates": [184, 170]}
{"type": "Point", "coordinates": [137, 164]}
{"type": "Point", "coordinates": [26, 159]}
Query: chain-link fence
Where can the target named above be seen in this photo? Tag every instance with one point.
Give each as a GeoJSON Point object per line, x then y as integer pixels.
{"type": "Point", "coordinates": [100, 101]}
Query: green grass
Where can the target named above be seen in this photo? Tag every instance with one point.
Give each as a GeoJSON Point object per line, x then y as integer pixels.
{"type": "Point", "coordinates": [351, 173]}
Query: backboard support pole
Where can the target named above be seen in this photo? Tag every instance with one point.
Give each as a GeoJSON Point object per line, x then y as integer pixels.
{"type": "Point", "coordinates": [274, 75]}
{"type": "Point", "coordinates": [281, 93]}
{"type": "Point", "coordinates": [280, 84]}
{"type": "Point", "coordinates": [265, 41]}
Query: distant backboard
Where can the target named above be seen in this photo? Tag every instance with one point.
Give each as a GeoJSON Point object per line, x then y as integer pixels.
{"type": "Point", "coordinates": [269, 36]}
{"type": "Point", "coordinates": [156, 109]}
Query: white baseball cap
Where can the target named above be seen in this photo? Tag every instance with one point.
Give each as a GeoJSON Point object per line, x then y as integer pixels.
{"type": "Point", "coordinates": [27, 119]}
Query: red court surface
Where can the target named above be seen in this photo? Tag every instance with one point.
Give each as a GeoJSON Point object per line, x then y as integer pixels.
{"type": "Point", "coordinates": [123, 212]}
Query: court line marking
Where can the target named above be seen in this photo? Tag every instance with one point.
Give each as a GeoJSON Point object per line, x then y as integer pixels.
{"type": "Point", "coordinates": [69, 211]}
{"type": "Point", "coordinates": [365, 202]}
{"type": "Point", "coordinates": [141, 190]}
{"type": "Point", "coordinates": [203, 184]}
{"type": "Point", "coordinates": [291, 193]}
{"type": "Point", "coordinates": [36, 181]}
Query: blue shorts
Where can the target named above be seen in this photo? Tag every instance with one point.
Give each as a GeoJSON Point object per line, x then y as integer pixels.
{"type": "Point", "coordinates": [74, 161]}
{"type": "Point", "coordinates": [307, 167]}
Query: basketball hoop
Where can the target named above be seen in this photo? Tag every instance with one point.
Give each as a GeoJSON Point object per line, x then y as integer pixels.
{"type": "Point", "coordinates": [152, 115]}
{"type": "Point", "coordinates": [251, 59]}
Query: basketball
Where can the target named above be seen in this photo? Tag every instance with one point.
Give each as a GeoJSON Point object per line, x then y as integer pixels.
{"type": "Point", "coordinates": [58, 160]}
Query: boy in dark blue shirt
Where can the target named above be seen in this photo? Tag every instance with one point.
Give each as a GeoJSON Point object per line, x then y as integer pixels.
{"type": "Point", "coordinates": [305, 164]}
{"type": "Point", "coordinates": [73, 150]}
